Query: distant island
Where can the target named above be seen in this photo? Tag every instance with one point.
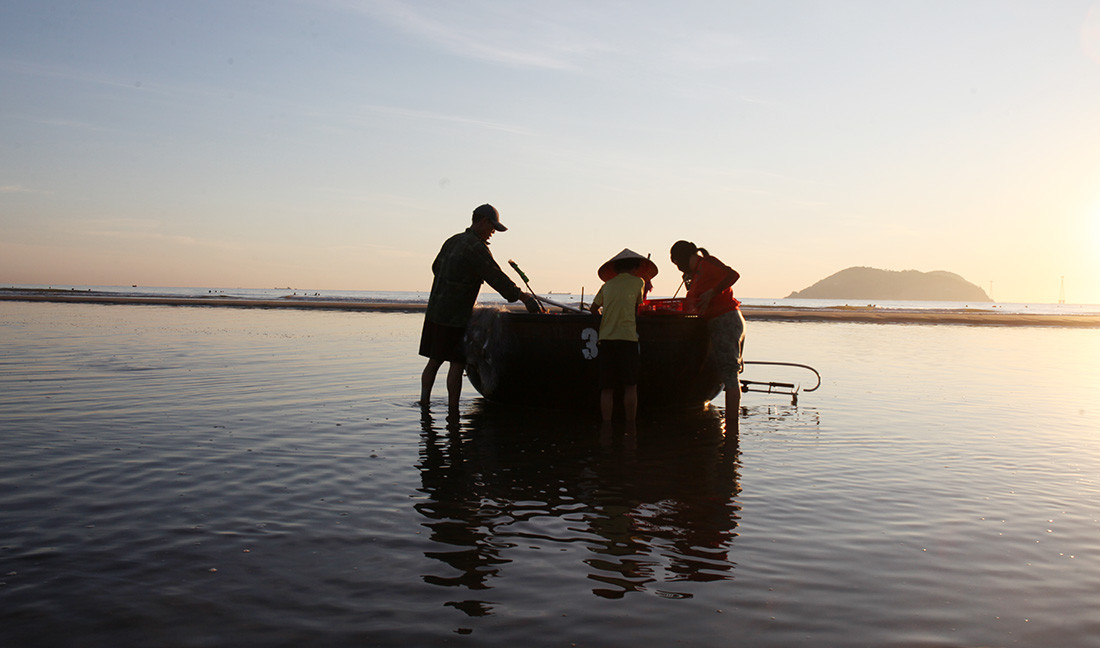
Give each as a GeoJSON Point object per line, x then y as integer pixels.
{"type": "Point", "coordinates": [900, 285]}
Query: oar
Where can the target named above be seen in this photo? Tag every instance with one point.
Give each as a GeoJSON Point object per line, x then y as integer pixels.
{"type": "Point", "coordinates": [515, 267]}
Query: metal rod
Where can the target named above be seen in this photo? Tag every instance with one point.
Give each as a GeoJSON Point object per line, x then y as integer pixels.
{"type": "Point", "coordinates": [678, 289]}
{"type": "Point", "coordinates": [558, 304]}
{"type": "Point", "coordinates": [789, 364]}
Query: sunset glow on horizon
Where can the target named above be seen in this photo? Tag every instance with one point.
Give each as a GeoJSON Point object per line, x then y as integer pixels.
{"type": "Point", "coordinates": [334, 144]}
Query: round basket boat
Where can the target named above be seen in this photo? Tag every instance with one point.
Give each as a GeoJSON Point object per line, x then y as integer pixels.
{"type": "Point", "coordinates": [551, 359]}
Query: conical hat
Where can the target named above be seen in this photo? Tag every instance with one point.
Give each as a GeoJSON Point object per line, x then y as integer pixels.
{"type": "Point", "coordinates": [646, 269]}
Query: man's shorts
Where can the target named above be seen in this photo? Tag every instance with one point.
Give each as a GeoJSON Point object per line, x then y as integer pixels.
{"type": "Point", "coordinates": [445, 343]}
{"type": "Point", "coordinates": [620, 363]}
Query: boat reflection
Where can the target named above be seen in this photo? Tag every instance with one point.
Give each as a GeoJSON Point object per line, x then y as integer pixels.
{"type": "Point", "coordinates": [633, 512]}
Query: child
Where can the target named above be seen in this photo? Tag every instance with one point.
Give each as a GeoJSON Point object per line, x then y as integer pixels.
{"type": "Point", "coordinates": [625, 277]}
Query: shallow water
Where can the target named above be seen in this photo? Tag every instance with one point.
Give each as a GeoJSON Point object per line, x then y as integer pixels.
{"type": "Point", "coordinates": [205, 476]}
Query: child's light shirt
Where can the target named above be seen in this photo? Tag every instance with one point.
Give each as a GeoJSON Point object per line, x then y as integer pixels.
{"type": "Point", "coordinates": [619, 298]}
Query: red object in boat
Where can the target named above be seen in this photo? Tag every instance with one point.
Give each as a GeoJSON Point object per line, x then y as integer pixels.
{"type": "Point", "coordinates": [674, 305]}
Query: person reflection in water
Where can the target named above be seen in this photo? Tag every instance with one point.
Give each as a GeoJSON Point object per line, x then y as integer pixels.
{"type": "Point", "coordinates": [604, 516]}
{"type": "Point", "coordinates": [710, 295]}
{"type": "Point", "coordinates": [462, 265]}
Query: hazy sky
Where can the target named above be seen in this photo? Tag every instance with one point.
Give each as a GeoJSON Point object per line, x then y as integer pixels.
{"type": "Point", "coordinates": [334, 144]}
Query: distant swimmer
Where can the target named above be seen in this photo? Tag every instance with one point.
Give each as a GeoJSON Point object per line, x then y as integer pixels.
{"type": "Point", "coordinates": [462, 265]}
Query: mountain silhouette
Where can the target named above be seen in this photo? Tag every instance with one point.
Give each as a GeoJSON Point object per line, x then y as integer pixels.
{"type": "Point", "coordinates": [902, 285]}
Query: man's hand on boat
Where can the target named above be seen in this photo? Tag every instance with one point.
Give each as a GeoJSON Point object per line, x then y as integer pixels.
{"type": "Point", "coordinates": [530, 302]}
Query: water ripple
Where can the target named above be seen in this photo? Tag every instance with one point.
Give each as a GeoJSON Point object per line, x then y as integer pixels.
{"type": "Point", "coordinates": [189, 477]}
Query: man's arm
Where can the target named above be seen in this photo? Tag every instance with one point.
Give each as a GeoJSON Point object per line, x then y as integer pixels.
{"type": "Point", "coordinates": [488, 271]}
{"type": "Point", "coordinates": [491, 274]}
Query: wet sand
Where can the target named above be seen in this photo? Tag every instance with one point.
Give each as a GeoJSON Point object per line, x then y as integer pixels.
{"type": "Point", "coordinates": [967, 316]}
{"type": "Point", "coordinates": [231, 302]}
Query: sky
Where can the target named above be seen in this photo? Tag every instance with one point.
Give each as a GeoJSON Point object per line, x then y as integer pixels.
{"type": "Point", "coordinates": [335, 144]}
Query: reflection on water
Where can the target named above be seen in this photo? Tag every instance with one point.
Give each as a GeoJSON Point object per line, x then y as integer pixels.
{"type": "Point", "coordinates": [199, 477]}
{"type": "Point", "coordinates": [649, 509]}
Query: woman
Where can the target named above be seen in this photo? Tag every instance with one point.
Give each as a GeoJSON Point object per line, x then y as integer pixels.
{"type": "Point", "coordinates": [710, 295]}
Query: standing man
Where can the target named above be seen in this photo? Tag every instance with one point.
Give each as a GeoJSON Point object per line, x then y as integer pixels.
{"type": "Point", "coordinates": [463, 263]}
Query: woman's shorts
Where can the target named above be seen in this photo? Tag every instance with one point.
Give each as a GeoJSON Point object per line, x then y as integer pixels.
{"type": "Point", "coordinates": [446, 343]}
{"type": "Point", "coordinates": [727, 343]}
{"type": "Point", "coordinates": [620, 363]}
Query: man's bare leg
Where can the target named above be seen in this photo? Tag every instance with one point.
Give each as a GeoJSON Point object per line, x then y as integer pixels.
{"type": "Point", "coordinates": [427, 379]}
{"type": "Point", "coordinates": [454, 384]}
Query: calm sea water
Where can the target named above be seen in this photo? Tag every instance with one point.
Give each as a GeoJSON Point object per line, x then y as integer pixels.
{"type": "Point", "coordinates": [211, 477]}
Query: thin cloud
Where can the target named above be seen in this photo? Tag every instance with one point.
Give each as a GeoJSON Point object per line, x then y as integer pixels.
{"type": "Point", "coordinates": [59, 123]}
{"type": "Point", "coordinates": [591, 39]}
{"type": "Point", "coordinates": [454, 119]}
{"type": "Point", "coordinates": [161, 88]}
{"type": "Point", "coordinates": [131, 229]}
{"type": "Point", "coordinates": [372, 250]}
{"type": "Point", "coordinates": [1090, 34]}
{"type": "Point", "coordinates": [16, 189]}
{"type": "Point", "coordinates": [331, 122]}
{"type": "Point", "coordinates": [44, 70]}
{"type": "Point", "coordinates": [708, 50]}
{"type": "Point", "coordinates": [520, 35]}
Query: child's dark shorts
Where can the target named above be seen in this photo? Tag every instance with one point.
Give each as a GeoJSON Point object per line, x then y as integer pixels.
{"type": "Point", "coordinates": [620, 363]}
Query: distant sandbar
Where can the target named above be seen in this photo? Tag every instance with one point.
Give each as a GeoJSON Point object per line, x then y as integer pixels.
{"type": "Point", "coordinates": [965, 316]}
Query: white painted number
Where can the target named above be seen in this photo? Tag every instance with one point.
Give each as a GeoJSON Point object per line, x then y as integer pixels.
{"type": "Point", "coordinates": [589, 336]}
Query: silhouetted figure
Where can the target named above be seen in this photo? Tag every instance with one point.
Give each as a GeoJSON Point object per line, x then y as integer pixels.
{"type": "Point", "coordinates": [463, 263]}
{"type": "Point", "coordinates": [625, 277]}
{"type": "Point", "coordinates": [710, 295]}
